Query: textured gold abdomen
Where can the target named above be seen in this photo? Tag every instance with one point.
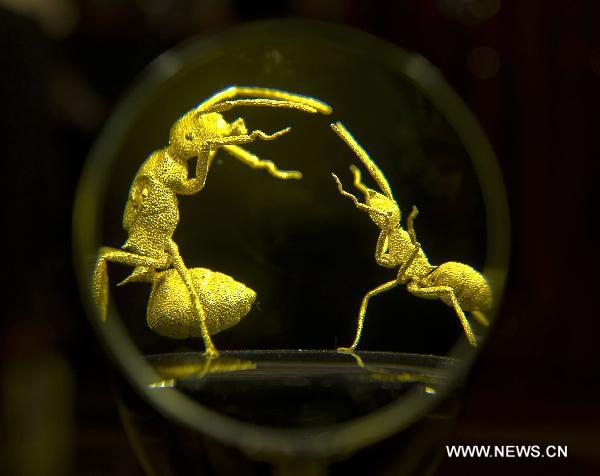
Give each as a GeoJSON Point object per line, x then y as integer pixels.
{"type": "Point", "coordinates": [170, 312]}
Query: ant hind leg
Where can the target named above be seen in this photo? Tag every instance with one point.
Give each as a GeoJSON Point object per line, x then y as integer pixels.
{"type": "Point", "coordinates": [481, 318]}
{"type": "Point", "coordinates": [184, 273]}
{"type": "Point", "coordinates": [100, 283]}
{"type": "Point", "coordinates": [441, 291]}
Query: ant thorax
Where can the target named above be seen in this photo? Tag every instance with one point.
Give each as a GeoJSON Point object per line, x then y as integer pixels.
{"type": "Point", "coordinates": [151, 213]}
{"type": "Point", "coordinates": [401, 248]}
{"type": "Point", "coordinates": [162, 166]}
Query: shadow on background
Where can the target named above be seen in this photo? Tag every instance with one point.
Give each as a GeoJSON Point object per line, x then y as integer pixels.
{"type": "Point", "coordinates": [530, 72]}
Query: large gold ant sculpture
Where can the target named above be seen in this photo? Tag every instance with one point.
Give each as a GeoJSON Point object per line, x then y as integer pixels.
{"type": "Point", "coordinates": [456, 284]}
{"type": "Point", "coordinates": [189, 302]}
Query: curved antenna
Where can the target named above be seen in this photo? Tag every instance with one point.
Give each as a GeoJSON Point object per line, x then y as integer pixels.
{"type": "Point", "coordinates": [227, 105]}
{"type": "Point", "coordinates": [264, 93]}
{"type": "Point", "coordinates": [375, 172]}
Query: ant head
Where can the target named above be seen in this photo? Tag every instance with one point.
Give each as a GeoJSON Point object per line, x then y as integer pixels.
{"type": "Point", "coordinates": [213, 125]}
{"type": "Point", "coordinates": [193, 128]}
{"type": "Point", "coordinates": [184, 135]}
{"type": "Point", "coordinates": [390, 213]}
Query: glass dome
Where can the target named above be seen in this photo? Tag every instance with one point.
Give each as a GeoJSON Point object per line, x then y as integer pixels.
{"type": "Point", "coordinates": [306, 250]}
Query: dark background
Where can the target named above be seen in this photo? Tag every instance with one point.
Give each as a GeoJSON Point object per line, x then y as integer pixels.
{"type": "Point", "coordinates": [529, 71]}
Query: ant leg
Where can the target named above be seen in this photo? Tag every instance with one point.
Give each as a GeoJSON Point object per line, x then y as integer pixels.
{"type": "Point", "coordinates": [402, 277]}
{"type": "Point", "coordinates": [210, 158]}
{"type": "Point", "coordinates": [343, 192]}
{"type": "Point", "coordinates": [480, 317]}
{"type": "Point", "coordinates": [267, 93]}
{"type": "Point", "coordinates": [100, 278]}
{"type": "Point", "coordinates": [244, 138]}
{"type": "Point", "coordinates": [206, 154]}
{"type": "Point", "coordinates": [186, 276]}
{"type": "Point", "coordinates": [358, 181]}
{"type": "Point", "coordinates": [409, 224]}
{"type": "Point", "coordinates": [354, 355]}
{"type": "Point", "coordinates": [383, 257]}
{"type": "Point", "coordinates": [203, 163]}
{"type": "Point", "coordinates": [363, 311]}
{"type": "Point", "coordinates": [440, 291]}
{"type": "Point", "coordinates": [357, 204]}
{"type": "Point", "coordinates": [255, 162]}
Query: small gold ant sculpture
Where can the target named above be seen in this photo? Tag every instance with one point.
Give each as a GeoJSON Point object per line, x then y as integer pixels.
{"type": "Point", "coordinates": [190, 302]}
{"type": "Point", "coordinates": [456, 284]}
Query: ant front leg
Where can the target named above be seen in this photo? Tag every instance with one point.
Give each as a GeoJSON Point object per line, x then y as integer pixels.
{"type": "Point", "coordinates": [231, 145]}
{"type": "Point", "coordinates": [403, 271]}
{"type": "Point", "coordinates": [363, 311]}
{"type": "Point", "coordinates": [255, 162]}
{"type": "Point", "coordinates": [383, 256]}
{"type": "Point", "coordinates": [246, 138]}
{"type": "Point", "coordinates": [357, 204]}
{"type": "Point", "coordinates": [343, 192]}
{"type": "Point", "coordinates": [361, 153]}
{"type": "Point", "coordinates": [441, 292]}
{"type": "Point", "coordinates": [203, 162]}
{"type": "Point", "coordinates": [358, 181]}
{"type": "Point", "coordinates": [206, 154]}
{"type": "Point", "coordinates": [409, 225]}
{"type": "Point", "coordinates": [100, 283]}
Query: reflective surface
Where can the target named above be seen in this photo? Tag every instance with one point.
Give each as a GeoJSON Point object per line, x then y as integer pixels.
{"type": "Point", "coordinates": [298, 389]}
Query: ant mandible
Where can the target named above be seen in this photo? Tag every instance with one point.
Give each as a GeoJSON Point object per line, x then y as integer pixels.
{"type": "Point", "coordinates": [456, 284]}
{"type": "Point", "coordinates": [151, 216]}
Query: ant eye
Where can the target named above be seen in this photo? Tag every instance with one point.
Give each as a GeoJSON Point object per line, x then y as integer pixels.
{"type": "Point", "coordinates": [189, 136]}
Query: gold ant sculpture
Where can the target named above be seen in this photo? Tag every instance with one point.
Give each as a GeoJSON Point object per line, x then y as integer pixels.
{"type": "Point", "coordinates": [190, 302]}
{"type": "Point", "coordinates": [456, 284]}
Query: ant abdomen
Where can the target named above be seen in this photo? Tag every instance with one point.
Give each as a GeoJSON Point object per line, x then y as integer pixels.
{"type": "Point", "coordinates": [170, 311]}
{"type": "Point", "coordinates": [470, 286]}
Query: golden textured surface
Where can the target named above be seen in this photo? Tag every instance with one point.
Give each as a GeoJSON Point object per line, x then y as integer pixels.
{"type": "Point", "coordinates": [170, 312]}
{"type": "Point", "coordinates": [456, 284]}
{"type": "Point", "coordinates": [190, 302]}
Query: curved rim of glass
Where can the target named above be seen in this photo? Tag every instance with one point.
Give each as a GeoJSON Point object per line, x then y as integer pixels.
{"type": "Point", "coordinates": [252, 438]}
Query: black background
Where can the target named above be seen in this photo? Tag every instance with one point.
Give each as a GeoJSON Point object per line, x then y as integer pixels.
{"type": "Point", "coordinates": [64, 67]}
